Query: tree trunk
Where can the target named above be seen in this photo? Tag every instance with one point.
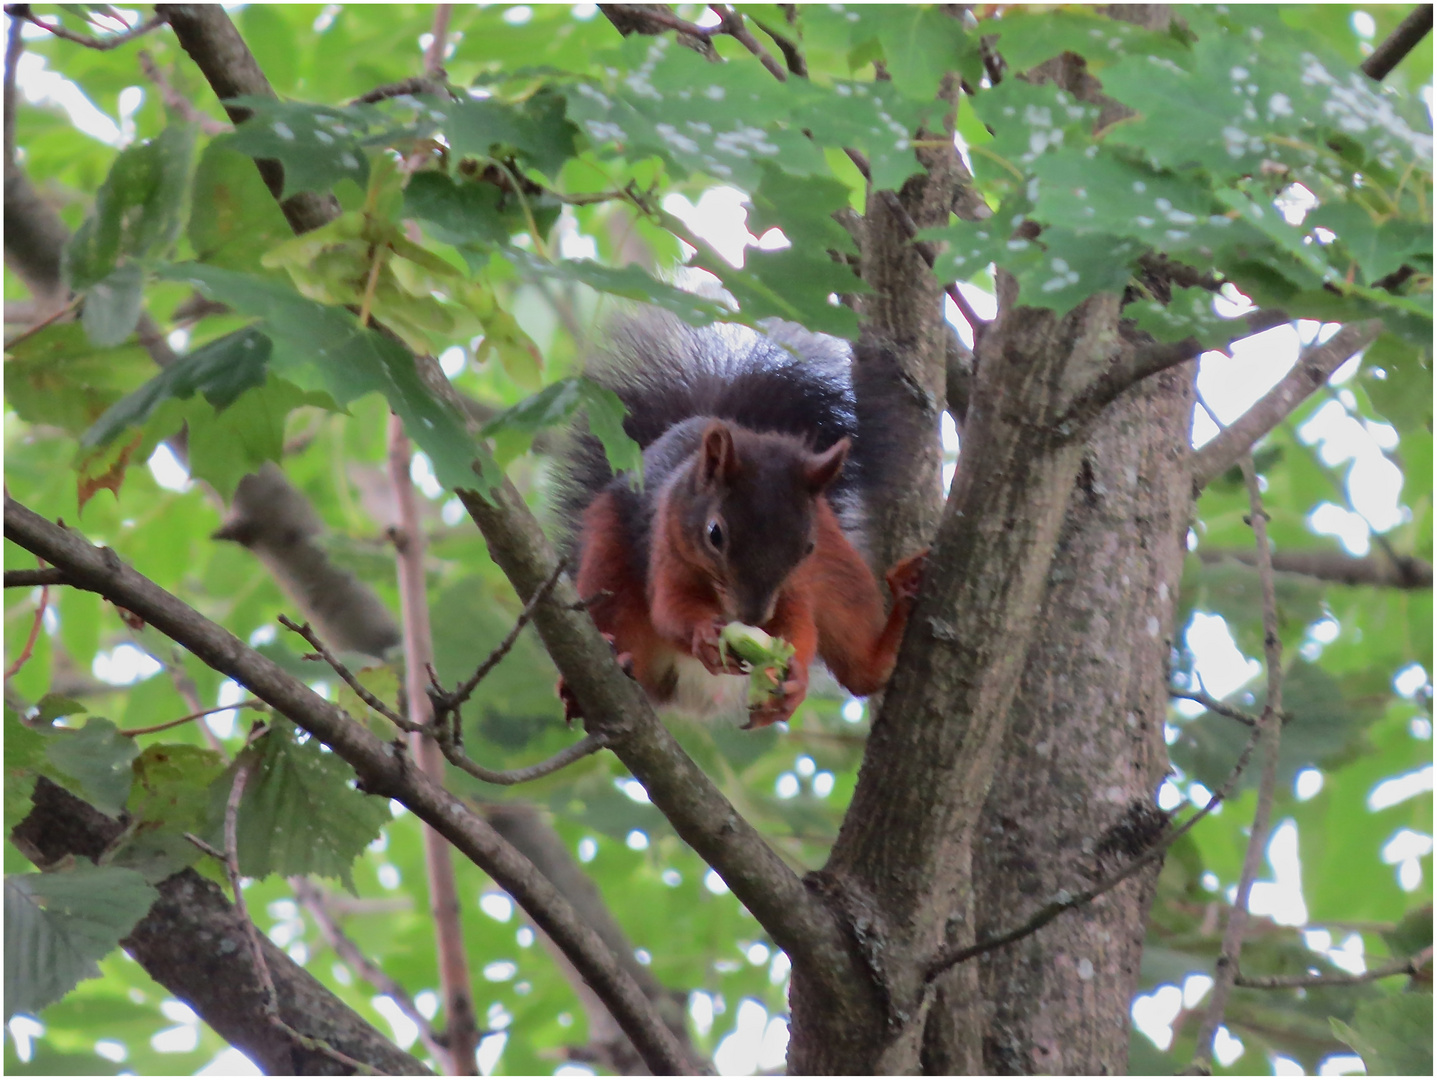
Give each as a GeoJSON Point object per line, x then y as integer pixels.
{"type": "Point", "coordinates": [1085, 750]}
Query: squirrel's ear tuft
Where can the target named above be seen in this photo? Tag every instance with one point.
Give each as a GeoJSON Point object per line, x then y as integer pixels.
{"type": "Point", "coordinates": [717, 460]}
{"type": "Point", "coordinates": [822, 469]}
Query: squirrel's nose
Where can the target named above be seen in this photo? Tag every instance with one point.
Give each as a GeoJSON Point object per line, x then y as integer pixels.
{"type": "Point", "coordinates": [758, 612]}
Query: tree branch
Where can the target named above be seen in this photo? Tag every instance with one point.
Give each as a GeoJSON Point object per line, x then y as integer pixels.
{"type": "Point", "coordinates": [1312, 369]}
{"type": "Point", "coordinates": [382, 770]}
{"type": "Point", "coordinates": [1400, 572]}
{"type": "Point", "coordinates": [25, 579]}
{"type": "Point", "coordinates": [206, 33]}
{"type": "Point", "coordinates": [191, 932]}
{"type": "Point", "coordinates": [461, 1028]}
{"type": "Point", "coordinates": [1399, 43]}
{"type": "Point", "coordinates": [21, 12]}
{"type": "Point", "coordinates": [1269, 734]}
{"type": "Point", "coordinates": [1413, 966]}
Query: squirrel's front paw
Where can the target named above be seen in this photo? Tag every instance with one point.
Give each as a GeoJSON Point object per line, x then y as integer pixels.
{"type": "Point", "coordinates": [779, 705]}
{"type": "Point", "coordinates": [707, 649]}
{"type": "Point", "coordinates": [906, 577]}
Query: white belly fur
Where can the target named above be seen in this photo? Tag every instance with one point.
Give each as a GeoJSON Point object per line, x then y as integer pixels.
{"type": "Point", "coordinates": [703, 695]}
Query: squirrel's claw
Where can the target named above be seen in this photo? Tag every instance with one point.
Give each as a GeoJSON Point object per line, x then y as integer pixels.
{"type": "Point", "coordinates": [906, 577]}
{"type": "Point", "coordinates": [572, 711]}
{"type": "Point", "coordinates": [706, 649]}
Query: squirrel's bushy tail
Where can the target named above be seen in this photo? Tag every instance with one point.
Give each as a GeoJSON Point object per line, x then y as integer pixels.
{"type": "Point", "coordinates": [785, 380]}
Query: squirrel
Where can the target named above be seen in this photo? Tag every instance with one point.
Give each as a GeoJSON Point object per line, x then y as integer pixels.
{"type": "Point", "coordinates": [751, 509]}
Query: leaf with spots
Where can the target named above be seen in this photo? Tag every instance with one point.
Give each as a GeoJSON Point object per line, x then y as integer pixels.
{"type": "Point", "coordinates": [300, 813]}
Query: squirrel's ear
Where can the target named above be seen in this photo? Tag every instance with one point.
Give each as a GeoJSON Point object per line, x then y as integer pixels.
{"type": "Point", "coordinates": [823, 469]}
{"type": "Point", "coordinates": [717, 460]}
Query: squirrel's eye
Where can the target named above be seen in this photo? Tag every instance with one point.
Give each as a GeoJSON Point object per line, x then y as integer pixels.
{"type": "Point", "coordinates": [809, 550]}
{"type": "Point", "coordinates": [715, 534]}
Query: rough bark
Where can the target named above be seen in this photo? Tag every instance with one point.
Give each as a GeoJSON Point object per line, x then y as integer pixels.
{"type": "Point", "coordinates": [1085, 752]}
{"type": "Point", "coordinates": [900, 866]}
{"type": "Point", "coordinates": [194, 943]}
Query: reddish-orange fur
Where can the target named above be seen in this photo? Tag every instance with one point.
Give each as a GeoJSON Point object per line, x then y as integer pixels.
{"type": "Point", "coordinates": [829, 606]}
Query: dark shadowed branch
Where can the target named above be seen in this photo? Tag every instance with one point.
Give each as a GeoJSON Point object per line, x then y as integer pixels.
{"type": "Point", "coordinates": [191, 932]}
{"type": "Point", "coordinates": [1399, 43]}
{"type": "Point", "coordinates": [1414, 966]}
{"type": "Point", "coordinates": [1401, 572]}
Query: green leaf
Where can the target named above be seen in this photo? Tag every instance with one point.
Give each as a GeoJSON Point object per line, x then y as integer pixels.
{"type": "Point", "coordinates": [300, 813]}
{"type": "Point", "coordinates": [172, 782]}
{"type": "Point", "coordinates": [1074, 267]}
{"type": "Point", "coordinates": [139, 209]}
{"type": "Point", "coordinates": [1398, 378]}
{"type": "Point", "coordinates": [58, 377]}
{"type": "Point", "coordinates": [1413, 934]}
{"type": "Point", "coordinates": [318, 145]}
{"type": "Point", "coordinates": [463, 213]}
{"type": "Point", "coordinates": [112, 306]}
{"type": "Point", "coordinates": [535, 129]}
{"type": "Point", "coordinates": [170, 797]}
{"type": "Point", "coordinates": [1189, 313]}
{"type": "Point", "coordinates": [349, 360]}
{"type": "Point", "coordinates": [514, 428]}
{"type": "Point", "coordinates": [920, 45]}
{"type": "Point", "coordinates": [97, 759]}
{"type": "Point", "coordinates": [235, 220]}
{"type": "Point", "coordinates": [58, 924]}
{"type": "Point", "coordinates": [227, 444]}
{"type": "Point", "coordinates": [605, 413]}
{"type": "Point", "coordinates": [1393, 1035]}
{"type": "Point", "coordinates": [222, 370]}
{"type": "Point", "coordinates": [792, 284]}
{"type": "Point", "coordinates": [1027, 38]}
{"type": "Point", "coordinates": [24, 761]}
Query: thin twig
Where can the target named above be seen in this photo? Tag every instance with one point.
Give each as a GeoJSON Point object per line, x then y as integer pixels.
{"type": "Point", "coordinates": [666, 19]}
{"type": "Point", "coordinates": [460, 694]}
{"type": "Point", "coordinates": [1213, 705]}
{"type": "Point", "coordinates": [1399, 43]}
{"type": "Point", "coordinates": [792, 54]}
{"type": "Point", "coordinates": [1269, 734]}
{"type": "Point", "coordinates": [589, 744]}
{"type": "Point", "coordinates": [14, 47]}
{"type": "Point", "coordinates": [185, 687]}
{"type": "Point", "coordinates": [439, 33]}
{"type": "Point", "coordinates": [251, 703]}
{"type": "Point", "coordinates": [30, 332]}
{"type": "Point", "coordinates": [173, 99]}
{"type": "Point", "coordinates": [22, 11]}
{"type": "Point", "coordinates": [231, 861]}
{"type": "Point", "coordinates": [416, 84]}
{"type": "Point", "coordinates": [34, 635]}
{"type": "Point", "coordinates": [1064, 901]}
{"type": "Point", "coordinates": [975, 323]}
{"type": "Point", "coordinates": [1413, 965]}
{"type": "Point", "coordinates": [28, 579]}
{"type": "Point", "coordinates": [733, 24]}
{"type": "Point", "coordinates": [306, 632]}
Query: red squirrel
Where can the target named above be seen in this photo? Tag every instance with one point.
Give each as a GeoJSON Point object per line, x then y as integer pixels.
{"type": "Point", "coordinates": [751, 509]}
